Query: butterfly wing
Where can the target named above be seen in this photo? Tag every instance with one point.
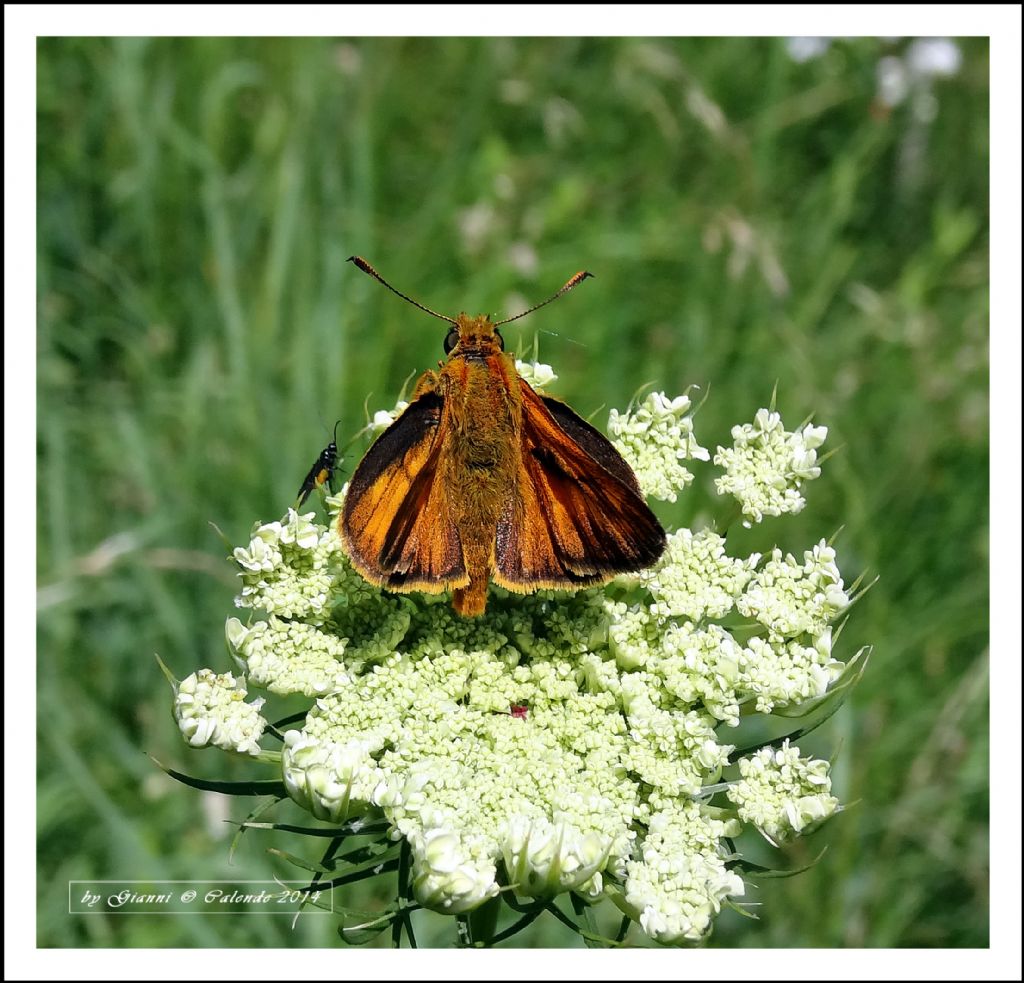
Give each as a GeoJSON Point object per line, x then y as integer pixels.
{"type": "Point", "coordinates": [395, 522]}
{"type": "Point", "coordinates": [577, 516]}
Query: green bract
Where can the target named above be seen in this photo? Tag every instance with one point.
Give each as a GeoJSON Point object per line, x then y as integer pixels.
{"type": "Point", "coordinates": [562, 742]}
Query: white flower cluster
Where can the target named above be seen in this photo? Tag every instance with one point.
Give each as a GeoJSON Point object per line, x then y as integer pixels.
{"type": "Point", "coordinates": [286, 569]}
{"type": "Point", "coordinates": [383, 419]}
{"type": "Point", "coordinates": [653, 438]}
{"type": "Point", "coordinates": [766, 466]}
{"type": "Point", "coordinates": [703, 667]}
{"type": "Point", "coordinates": [288, 656]}
{"type": "Point", "coordinates": [681, 881]}
{"type": "Point", "coordinates": [617, 702]}
{"type": "Point", "coordinates": [781, 672]}
{"type": "Point", "coordinates": [458, 770]}
{"type": "Point", "coordinates": [544, 858]}
{"type": "Point", "coordinates": [695, 579]}
{"type": "Point", "coordinates": [790, 598]}
{"type": "Point", "coordinates": [537, 374]}
{"type": "Point", "coordinates": [333, 780]}
{"type": "Point", "coordinates": [783, 794]}
{"type": "Point", "coordinates": [211, 710]}
{"type": "Point", "coordinates": [445, 876]}
{"type": "Point", "coordinates": [562, 742]}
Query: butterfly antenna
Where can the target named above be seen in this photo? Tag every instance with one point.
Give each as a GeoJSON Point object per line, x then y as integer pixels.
{"type": "Point", "coordinates": [335, 440]}
{"type": "Point", "coordinates": [578, 278]}
{"type": "Point", "coordinates": [366, 268]}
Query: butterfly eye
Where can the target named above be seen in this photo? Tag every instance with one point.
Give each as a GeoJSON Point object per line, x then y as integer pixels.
{"type": "Point", "coordinates": [451, 340]}
{"type": "Point", "coordinates": [501, 341]}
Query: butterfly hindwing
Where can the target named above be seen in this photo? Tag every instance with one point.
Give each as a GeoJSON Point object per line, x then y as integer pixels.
{"type": "Point", "coordinates": [395, 522]}
{"type": "Point", "coordinates": [577, 516]}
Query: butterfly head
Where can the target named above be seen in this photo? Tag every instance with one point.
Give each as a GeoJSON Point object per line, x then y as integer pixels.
{"type": "Point", "coordinates": [473, 336]}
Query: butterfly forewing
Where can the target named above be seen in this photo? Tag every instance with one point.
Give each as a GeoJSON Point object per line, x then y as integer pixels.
{"type": "Point", "coordinates": [591, 440]}
{"type": "Point", "coordinates": [396, 523]}
{"type": "Point", "coordinates": [576, 516]}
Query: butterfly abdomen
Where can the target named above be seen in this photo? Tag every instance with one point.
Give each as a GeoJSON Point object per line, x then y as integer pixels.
{"type": "Point", "coordinates": [483, 460]}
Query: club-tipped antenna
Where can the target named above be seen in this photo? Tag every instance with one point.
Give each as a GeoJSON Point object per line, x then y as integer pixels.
{"type": "Point", "coordinates": [366, 268]}
{"type": "Point", "coordinates": [578, 278]}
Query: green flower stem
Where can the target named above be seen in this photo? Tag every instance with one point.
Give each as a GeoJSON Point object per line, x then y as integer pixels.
{"type": "Point", "coordinates": [519, 925]}
{"type": "Point", "coordinates": [582, 910]}
{"type": "Point", "coordinates": [404, 893]}
{"type": "Point", "coordinates": [287, 721]}
{"type": "Point", "coordinates": [483, 921]}
{"type": "Point", "coordinates": [328, 856]}
{"type": "Point", "coordinates": [620, 935]}
{"type": "Point", "coordinates": [521, 907]}
{"type": "Point", "coordinates": [562, 917]}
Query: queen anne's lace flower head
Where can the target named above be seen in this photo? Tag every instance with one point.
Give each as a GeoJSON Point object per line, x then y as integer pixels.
{"type": "Point", "coordinates": [537, 374]}
{"type": "Point", "coordinates": [781, 793]}
{"type": "Point", "coordinates": [654, 437]}
{"type": "Point", "coordinates": [211, 710]}
{"type": "Point", "coordinates": [792, 598]}
{"type": "Point", "coordinates": [563, 741]}
{"type": "Point", "coordinates": [766, 467]}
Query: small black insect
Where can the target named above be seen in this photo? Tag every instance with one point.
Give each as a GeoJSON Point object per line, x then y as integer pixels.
{"type": "Point", "coordinates": [322, 471]}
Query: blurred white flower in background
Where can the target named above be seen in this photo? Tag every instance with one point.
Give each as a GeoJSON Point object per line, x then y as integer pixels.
{"type": "Point", "coordinates": [929, 57]}
{"type": "Point", "coordinates": [899, 76]}
{"type": "Point", "coordinates": [913, 73]}
{"type": "Point", "coordinates": [806, 49]}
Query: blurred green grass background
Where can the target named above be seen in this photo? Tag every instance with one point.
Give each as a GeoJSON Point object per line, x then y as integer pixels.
{"type": "Point", "coordinates": [750, 219]}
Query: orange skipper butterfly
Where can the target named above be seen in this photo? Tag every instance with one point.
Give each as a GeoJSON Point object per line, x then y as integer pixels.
{"type": "Point", "coordinates": [481, 478]}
